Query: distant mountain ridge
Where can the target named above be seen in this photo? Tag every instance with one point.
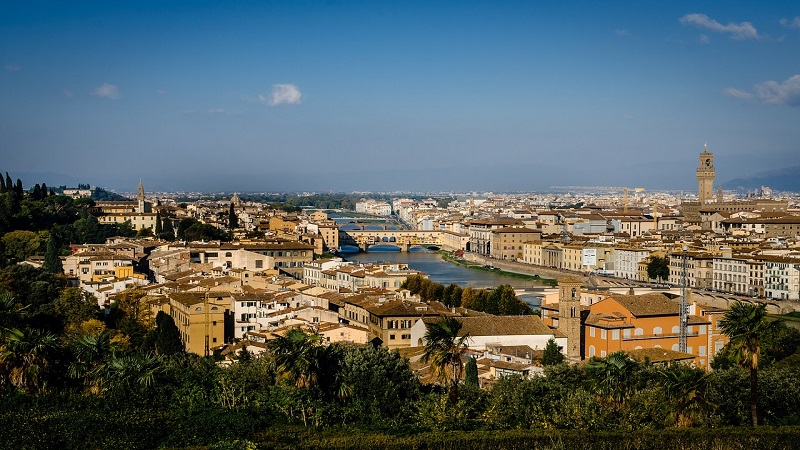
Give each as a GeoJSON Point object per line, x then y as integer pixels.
{"type": "Point", "coordinates": [785, 179]}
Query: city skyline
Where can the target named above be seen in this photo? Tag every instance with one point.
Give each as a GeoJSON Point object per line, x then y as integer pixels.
{"type": "Point", "coordinates": [384, 96]}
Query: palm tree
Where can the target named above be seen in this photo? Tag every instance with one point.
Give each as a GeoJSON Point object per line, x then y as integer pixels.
{"type": "Point", "coordinates": [611, 377]}
{"type": "Point", "coordinates": [298, 356]}
{"type": "Point", "coordinates": [133, 373]}
{"type": "Point", "coordinates": [25, 358]}
{"type": "Point", "coordinates": [10, 314]}
{"type": "Point", "coordinates": [686, 388]}
{"type": "Point", "coordinates": [444, 349]}
{"type": "Point", "coordinates": [745, 325]}
{"type": "Point", "coordinates": [91, 352]}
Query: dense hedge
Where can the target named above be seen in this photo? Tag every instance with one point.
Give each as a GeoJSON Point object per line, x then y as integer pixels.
{"type": "Point", "coordinates": [686, 439]}
{"type": "Point", "coordinates": [89, 426]}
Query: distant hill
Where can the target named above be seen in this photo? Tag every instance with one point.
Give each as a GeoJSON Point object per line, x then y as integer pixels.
{"type": "Point", "coordinates": [104, 195]}
{"type": "Point", "coordinates": [786, 179]}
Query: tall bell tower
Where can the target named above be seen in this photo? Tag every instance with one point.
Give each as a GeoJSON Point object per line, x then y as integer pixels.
{"type": "Point", "coordinates": [569, 315]}
{"type": "Point", "coordinates": [705, 176]}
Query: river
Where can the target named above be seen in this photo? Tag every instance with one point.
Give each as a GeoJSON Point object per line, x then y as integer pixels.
{"type": "Point", "coordinates": [444, 272]}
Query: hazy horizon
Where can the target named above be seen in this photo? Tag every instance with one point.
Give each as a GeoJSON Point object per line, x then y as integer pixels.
{"type": "Point", "coordinates": [382, 96]}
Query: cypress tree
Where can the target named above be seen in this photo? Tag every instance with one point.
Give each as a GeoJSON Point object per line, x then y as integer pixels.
{"type": "Point", "coordinates": [18, 188]}
{"type": "Point", "coordinates": [44, 191]}
{"type": "Point", "coordinates": [159, 228]}
{"type": "Point", "coordinates": [9, 183]}
{"type": "Point", "coordinates": [52, 263]}
{"type": "Point", "coordinates": [37, 192]}
{"type": "Point", "coordinates": [2, 185]}
{"type": "Point", "coordinates": [233, 221]}
{"type": "Point", "coordinates": [169, 231]}
{"type": "Point", "coordinates": [552, 354]}
{"type": "Point", "coordinates": [471, 372]}
{"type": "Point", "coordinates": [168, 337]}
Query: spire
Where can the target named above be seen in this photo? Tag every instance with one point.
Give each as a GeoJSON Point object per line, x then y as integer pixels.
{"type": "Point", "coordinates": [140, 192]}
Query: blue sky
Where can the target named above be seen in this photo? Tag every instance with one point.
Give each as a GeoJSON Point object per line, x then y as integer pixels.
{"type": "Point", "coordinates": [428, 95]}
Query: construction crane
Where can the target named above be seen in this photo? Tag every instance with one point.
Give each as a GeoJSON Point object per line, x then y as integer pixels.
{"type": "Point", "coordinates": [208, 319]}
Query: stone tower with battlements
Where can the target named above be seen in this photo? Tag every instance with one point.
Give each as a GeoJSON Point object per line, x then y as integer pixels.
{"type": "Point", "coordinates": [705, 177]}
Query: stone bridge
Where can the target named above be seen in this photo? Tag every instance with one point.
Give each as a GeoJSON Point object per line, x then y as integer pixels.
{"type": "Point", "coordinates": [402, 239]}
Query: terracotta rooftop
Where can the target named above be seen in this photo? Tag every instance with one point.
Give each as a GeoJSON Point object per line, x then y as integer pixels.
{"type": "Point", "coordinates": [647, 304]}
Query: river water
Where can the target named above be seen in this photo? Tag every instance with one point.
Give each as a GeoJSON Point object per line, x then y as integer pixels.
{"type": "Point", "coordinates": [437, 269]}
{"type": "Point", "coordinates": [443, 272]}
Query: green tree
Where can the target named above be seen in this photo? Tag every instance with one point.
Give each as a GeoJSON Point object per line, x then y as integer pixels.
{"type": "Point", "coordinates": [471, 373]}
{"type": "Point", "coordinates": [658, 268]}
{"type": "Point", "coordinates": [611, 379]}
{"type": "Point", "coordinates": [19, 245]}
{"type": "Point", "coordinates": [746, 326]}
{"type": "Point", "coordinates": [144, 232]}
{"type": "Point", "coordinates": [444, 349]}
{"type": "Point", "coordinates": [165, 338]}
{"type": "Point", "coordinates": [26, 359]}
{"type": "Point", "coordinates": [87, 230]}
{"type": "Point", "coordinates": [552, 354]}
{"type": "Point", "coordinates": [130, 316]}
{"type": "Point", "coordinates": [455, 296]}
{"type": "Point", "coordinates": [509, 304]}
{"type": "Point", "coordinates": [685, 388]}
{"type": "Point", "coordinates": [11, 314]}
{"type": "Point", "coordinates": [168, 233]}
{"type": "Point", "coordinates": [298, 357]}
{"type": "Point", "coordinates": [133, 375]}
{"type": "Point", "coordinates": [52, 260]}
{"type": "Point", "coordinates": [90, 354]}
{"type": "Point", "coordinates": [233, 220]}
{"type": "Point", "coordinates": [75, 306]}
{"type": "Point", "coordinates": [159, 228]}
{"type": "Point", "coordinates": [380, 383]}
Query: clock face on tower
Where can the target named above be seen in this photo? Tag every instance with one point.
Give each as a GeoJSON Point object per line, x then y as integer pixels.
{"type": "Point", "coordinates": [708, 163]}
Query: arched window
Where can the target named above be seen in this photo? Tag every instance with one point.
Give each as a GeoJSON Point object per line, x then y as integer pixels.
{"type": "Point", "coordinates": [676, 347]}
{"type": "Point", "coordinates": [638, 332]}
{"type": "Point", "coordinates": [591, 351]}
{"type": "Point", "coordinates": [657, 330]}
{"type": "Point", "coordinates": [228, 254]}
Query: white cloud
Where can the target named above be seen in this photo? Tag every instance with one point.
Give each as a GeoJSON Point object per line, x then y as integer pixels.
{"type": "Point", "coordinates": [627, 116]}
{"type": "Point", "coordinates": [161, 92]}
{"type": "Point", "coordinates": [738, 31]}
{"type": "Point", "coordinates": [67, 93]}
{"type": "Point", "coordinates": [282, 94]}
{"type": "Point", "coordinates": [771, 92]}
{"type": "Point", "coordinates": [791, 23]}
{"type": "Point", "coordinates": [13, 68]}
{"type": "Point", "coordinates": [106, 90]}
{"type": "Point", "coordinates": [703, 39]}
{"type": "Point", "coordinates": [622, 32]}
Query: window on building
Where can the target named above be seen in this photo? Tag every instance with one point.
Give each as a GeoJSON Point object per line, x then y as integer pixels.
{"type": "Point", "coordinates": [615, 335]}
